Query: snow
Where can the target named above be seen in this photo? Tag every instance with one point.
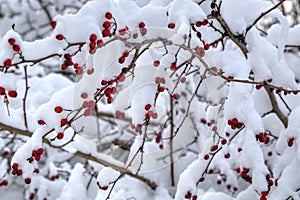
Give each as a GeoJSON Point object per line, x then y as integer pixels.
{"type": "Point", "coordinates": [111, 140]}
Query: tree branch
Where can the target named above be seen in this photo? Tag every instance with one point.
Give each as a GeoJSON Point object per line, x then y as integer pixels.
{"type": "Point", "coordinates": [105, 163]}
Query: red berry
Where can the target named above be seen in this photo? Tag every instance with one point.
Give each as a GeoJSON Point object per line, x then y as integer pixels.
{"type": "Point", "coordinates": [141, 25]}
{"type": "Point", "coordinates": [171, 25]}
{"type": "Point", "coordinates": [93, 37]}
{"type": "Point", "coordinates": [204, 22]}
{"type": "Point", "coordinates": [40, 151]}
{"type": "Point", "coordinates": [156, 63]}
{"type": "Point", "coordinates": [122, 31]}
{"type": "Point", "coordinates": [90, 71]}
{"type": "Point", "coordinates": [227, 155]}
{"type": "Point", "coordinates": [7, 62]}
{"type": "Point", "coordinates": [59, 37]}
{"type": "Point", "coordinates": [161, 89]}
{"type": "Point", "coordinates": [121, 78]}
{"type": "Point", "coordinates": [161, 146]}
{"type": "Point", "coordinates": [79, 71]}
{"type": "Point", "coordinates": [109, 99]}
{"type": "Point", "coordinates": [223, 142]}
{"type": "Point", "coordinates": [206, 46]}
{"type": "Point", "coordinates": [135, 35]}
{"type": "Point", "coordinates": [157, 80]}
{"type": "Point", "coordinates": [235, 121]}
{"type": "Point", "coordinates": [84, 95]}
{"type": "Point", "coordinates": [290, 142]}
{"type": "Point", "coordinates": [175, 96]}
{"type": "Point", "coordinates": [41, 122]}
{"type": "Point", "coordinates": [206, 157]}
{"type": "Point", "coordinates": [104, 82]}
{"type": "Point", "coordinates": [121, 59]}
{"type": "Point", "coordinates": [60, 135]}
{"type": "Point", "coordinates": [37, 157]}
{"type": "Point", "coordinates": [15, 166]}
{"type": "Point", "coordinates": [19, 172]}
{"type": "Point", "coordinates": [63, 121]}
{"type": "Point", "coordinates": [198, 24]}
{"type": "Point", "coordinates": [87, 112]}
{"type": "Point", "coordinates": [2, 91]}
{"type": "Point", "coordinates": [108, 15]}
{"type": "Point", "coordinates": [106, 32]}
{"type": "Point", "coordinates": [194, 197]}
{"type": "Point", "coordinates": [53, 24]}
{"type": "Point", "coordinates": [64, 67]}
{"type": "Point", "coordinates": [11, 41]}
{"type": "Point", "coordinates": [147, 107]}
{"type": "Point", "coordinates": [4, 182]}
{"type": "Point", "coordinates": [100, 43]}
{"type": "Point", "coordinates": [58, 109]}
{"type": "Point", "coordinates": [106, 24]}
{"type": "Point", "coordinates": [188, 195]}
{"type": "Point", "coordinates": [213, 148]}
{"type": "Point", "coordinates": [143, 31]}
{"type": "Point", "coordinates": [27, 180]}
{"type": "Point", "coordinates": [214, 128]}
{"type": "Point", "coordinates": [104, 187]}
{"type": "Point", "coordinates": [16, 48]}
{"type": "Point", "coordinates": [203, 121]}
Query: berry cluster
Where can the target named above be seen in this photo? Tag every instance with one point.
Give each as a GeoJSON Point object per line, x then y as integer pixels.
{"type": "Point", "coordinates": [173, 66]}
{"type": "Point", "coordinates": [19, 172]}
{"type": "Point", "coordinates": [158, 137]}
{"type": "Point", "coordinates": [12, 43]}
{"type": "Point", "coordinates": [54, 177]}
{"type": "Point", "coordinates": [159, 80]}
{"type": "Point", "coordinates": [119, 114]}
{"type": "Point", "coordinates": [244, 174]}
{"type": "Point", "coordinates": [263, 137]}
{"type": "Point", "coordinates": [137, 127]}
{"type": "Point", "coordinates": [109, 91]}
{"type": "Point", "coordinates": [149, 113]}
{"type": "Point", "coordinates": [200, 51]}
{"type": "Point", "coordinates": [201, 23]}
{"type": "Point", "coordinates": [234, 123]}
{"type": "Point", "coordinates": [143, 29]}
{"type": "Point", "coordinates": [107, 25]}
{"type": "Point", "coordinates": [189, 195]}
{"type": "Point", "coordinates": [90, 107]}
{"type": "Point", "coordinates": [123, 57]}
{"type": "Point", "coordinates": [67, 62]}
{"type": "Point", "coordinates": [36, 154]}
{"type": "Point", "coordinates": [10, 93]}
{"type": "Point", "coordinates": [4, 182]}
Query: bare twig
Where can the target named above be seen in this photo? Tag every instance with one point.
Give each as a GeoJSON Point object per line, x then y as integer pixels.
{"type": "Point", "coordinates": [264, 14]}
{"type": "Point", "coordinates": [171, 140]}
{"type": "Point", "coordinates": [25, 97]}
